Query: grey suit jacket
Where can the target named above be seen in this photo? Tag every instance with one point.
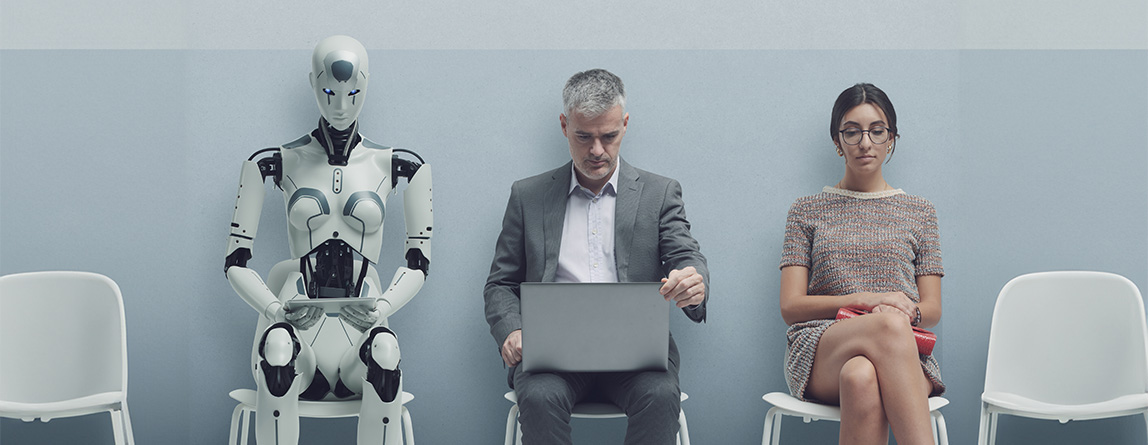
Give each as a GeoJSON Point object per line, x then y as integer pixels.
{"type": "Point", "coordinates": [651, 238]}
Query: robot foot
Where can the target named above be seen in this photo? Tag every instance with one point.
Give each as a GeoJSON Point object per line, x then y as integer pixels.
{"type": "Point", "coordinates": [278, 348]}
{"type": "Point", "coordinates": [381, 349]}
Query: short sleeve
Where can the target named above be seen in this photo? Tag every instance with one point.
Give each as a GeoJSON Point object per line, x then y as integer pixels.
{"type": "Point", "coordinates": [796, 251]}
{"type": "Point", "coordinates": [928, 260]}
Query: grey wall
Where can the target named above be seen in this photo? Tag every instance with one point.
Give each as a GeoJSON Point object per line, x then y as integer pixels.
{"type": "Point", "coordinates": [123, 160]}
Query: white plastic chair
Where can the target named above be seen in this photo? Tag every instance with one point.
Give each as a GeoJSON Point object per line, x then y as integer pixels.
{"type": "Point", "coordinates": [323, 409]}
{"type": "Point", "coordinates": [1066, 346]}
{"type": "Point", "coordinates": [787, 405]}
{"type": "Point", "coordinates": [585, 410]}
{"type": "Point", "coordinates": [63, 348]}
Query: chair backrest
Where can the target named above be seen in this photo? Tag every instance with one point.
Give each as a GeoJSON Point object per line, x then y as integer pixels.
{"type": "Point", "coordinates": [1069, 338]}
{"type": "Point", "coordinates": [62, 336]}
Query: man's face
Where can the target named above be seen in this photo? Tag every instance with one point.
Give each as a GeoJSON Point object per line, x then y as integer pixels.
{"type": "Point", "coordinates": [594, 144]}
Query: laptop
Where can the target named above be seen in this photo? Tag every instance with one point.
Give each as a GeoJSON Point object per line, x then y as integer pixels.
{"type": "Point", "coordinates": [591, 327]}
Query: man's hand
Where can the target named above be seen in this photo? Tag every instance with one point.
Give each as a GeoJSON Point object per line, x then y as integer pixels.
{"type": "Point", "coordinates": [685, 287]}
{"type": "Point", "coordinates": [512, 348]}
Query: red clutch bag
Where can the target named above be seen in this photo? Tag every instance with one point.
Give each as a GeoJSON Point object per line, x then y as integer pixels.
{"type": "Point", "coordinates": [925, 339]}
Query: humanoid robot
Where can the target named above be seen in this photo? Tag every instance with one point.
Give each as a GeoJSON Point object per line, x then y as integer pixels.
{"type": "Point", "coordinates": [335, 183]}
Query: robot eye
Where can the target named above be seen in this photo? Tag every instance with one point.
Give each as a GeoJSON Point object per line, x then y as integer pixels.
{"type": "Point", "coordinates": [328, 91]}
{"type": "Point", "coordinates": [353, 92]}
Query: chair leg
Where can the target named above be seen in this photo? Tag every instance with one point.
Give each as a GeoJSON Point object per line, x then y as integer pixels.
{"type": "Point", "coordinates": [232, 439]}
{"type": "Point", "coordinates": [772, 428]}
{"type": "Point", "coordinates": [127, 423]}
{"type": "Point", "coordinates": [683, 429]}
{"type": "Point", "coordinates": [993, 418]}
{"type": "Point", "coordinates": [511, 425]}
{"type": "Point", "coordinates": [245, 423]}
{"type": "Point", "coordinates": [408, 428]}
{"type": "Point", "coordinates": [117, 426]}
{"type": "Point", "coordinates": [983, 433]}
{"type": "Point", "coordinates": [940, 429]}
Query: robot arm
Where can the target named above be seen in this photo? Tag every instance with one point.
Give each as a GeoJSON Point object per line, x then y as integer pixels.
{"type": "Point", "coordinates": [418, 214]}
{"type": "Point", "coordinates": [244, 224]}
{"type": "Point", "coordinates": [419, 221]}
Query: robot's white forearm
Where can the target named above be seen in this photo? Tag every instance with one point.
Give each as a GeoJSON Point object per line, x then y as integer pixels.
{"type": "Point", "coordinates": [248, 207]}
{"type": "Point", "coordinates": [402, 289]}
{"type": "Point", "coordinates": [419, 215]}
{"type": "Point", "coordinates": [252, 289]}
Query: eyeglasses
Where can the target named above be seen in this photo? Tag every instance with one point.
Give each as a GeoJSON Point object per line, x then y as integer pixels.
{"type": "Point", "coordinates": [877, 135]}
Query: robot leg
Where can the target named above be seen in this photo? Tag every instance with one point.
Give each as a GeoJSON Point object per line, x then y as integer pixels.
{"type": "Point", "coordinates": [381, 417]}
{"type": "Point", "coordinates": [277, 399]}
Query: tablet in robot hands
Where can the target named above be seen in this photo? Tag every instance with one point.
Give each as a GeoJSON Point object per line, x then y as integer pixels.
{"type": "Point", "coordinates": [331, 306]}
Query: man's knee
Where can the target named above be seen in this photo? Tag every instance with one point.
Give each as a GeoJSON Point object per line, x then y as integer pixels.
{"type": "Point", "coordinates": [658, 394]}
{"type": "Point", "coordinates": [543, 393]}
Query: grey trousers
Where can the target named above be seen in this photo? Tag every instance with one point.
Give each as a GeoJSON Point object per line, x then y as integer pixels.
{"type": "Point", "coordinates": [651, 401]}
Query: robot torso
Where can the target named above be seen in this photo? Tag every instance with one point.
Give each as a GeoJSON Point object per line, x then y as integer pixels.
{"type": "Point", "coordinates": [335, 202]}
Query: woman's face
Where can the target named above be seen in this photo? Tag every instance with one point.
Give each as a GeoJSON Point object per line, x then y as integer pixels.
{"type": "Point", "coordinates": [867, 122]}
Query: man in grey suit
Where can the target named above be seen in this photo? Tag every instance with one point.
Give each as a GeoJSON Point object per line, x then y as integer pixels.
{"type": "Point", "coordinates": [597, 219]}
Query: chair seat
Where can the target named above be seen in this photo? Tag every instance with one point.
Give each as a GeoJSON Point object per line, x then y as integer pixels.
{"type": "Point", "coordinates": [594, 410]}
{"type": "Point", "coordinates": [316, 408]}
{"type": "Point", "coordinates": [817, 411]}
{"type": "Point", "coordinates": [65, 408]}
{"type": "Point", "coordinates": [586, 410]}
{"type": "Point", "coordinates": [787, 405]}
{"type": "Point", "coordinates": [1024, 406]}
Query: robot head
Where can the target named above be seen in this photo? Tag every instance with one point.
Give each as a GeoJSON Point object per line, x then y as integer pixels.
{"type": "Point", "coordinates": [339, 79]}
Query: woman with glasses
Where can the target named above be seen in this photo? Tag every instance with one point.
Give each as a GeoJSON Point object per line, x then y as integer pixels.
{"type": "Point", "coordinates": [863, 244]}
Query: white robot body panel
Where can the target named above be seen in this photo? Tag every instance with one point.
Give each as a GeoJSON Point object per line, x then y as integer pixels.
{"type": "Point", "coordinates": [336, 202]}
{"type": "Point", "coordinates": [418, 211]}
{"type": "Point", "coordinates": [251, 288]}
{"type": "Point", "coordinates": [248, 206]}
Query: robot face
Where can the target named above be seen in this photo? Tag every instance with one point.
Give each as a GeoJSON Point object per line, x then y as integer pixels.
{"type": "Point", "coordinates": [339, 79]}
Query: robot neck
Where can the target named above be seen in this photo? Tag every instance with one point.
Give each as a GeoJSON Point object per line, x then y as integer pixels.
{"type": "Point", "coordinates": [337, 143]}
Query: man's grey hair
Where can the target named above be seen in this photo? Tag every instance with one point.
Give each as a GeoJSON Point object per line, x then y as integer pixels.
{"type": "Point", "coordinates": [593, 92]}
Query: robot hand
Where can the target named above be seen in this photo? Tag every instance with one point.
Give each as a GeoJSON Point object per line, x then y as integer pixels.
{"type": "Point", "coordinates": [303, 318]}
{"type": "Point", "coordinates": [359, 318]}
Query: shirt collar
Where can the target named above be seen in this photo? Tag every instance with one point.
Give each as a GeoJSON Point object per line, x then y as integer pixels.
{"type": "Point", "coordinates": [610, 188]}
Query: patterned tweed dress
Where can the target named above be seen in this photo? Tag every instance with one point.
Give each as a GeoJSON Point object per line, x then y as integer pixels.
{"type": "Point", "coordinates": [857, 242]}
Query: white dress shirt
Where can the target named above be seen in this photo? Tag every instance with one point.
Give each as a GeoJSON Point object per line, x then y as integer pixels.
{"type": "Point", "coordinates": [587, 251]}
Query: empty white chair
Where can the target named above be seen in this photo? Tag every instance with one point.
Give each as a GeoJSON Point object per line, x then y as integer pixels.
{"type": "Point", "coordinates": [1066, 346]}
{"type": "Point", "coordinates": [63, 348]}
{"type": "Point", "coordinates": [586, 410]}
{"type": "Point", "coordinates": [787, 405]}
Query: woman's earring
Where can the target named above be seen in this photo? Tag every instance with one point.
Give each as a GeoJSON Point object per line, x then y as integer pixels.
{"type": "Point", "coordinates": [839, 151]}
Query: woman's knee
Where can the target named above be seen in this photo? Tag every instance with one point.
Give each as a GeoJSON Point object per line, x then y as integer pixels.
{"type": "Point", "coordinates": [858, 375]}
{"type": "Point", "coordinates": [892, 332]}
{"type": "Point", "coordinates": [858, 385]}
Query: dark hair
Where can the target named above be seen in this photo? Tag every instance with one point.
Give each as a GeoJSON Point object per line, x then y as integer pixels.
{"type": "Point", "coordinates": [862, 93]}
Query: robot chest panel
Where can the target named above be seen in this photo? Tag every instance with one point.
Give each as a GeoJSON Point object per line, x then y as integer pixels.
{"type": "Point", "coordinates": [336, 202]}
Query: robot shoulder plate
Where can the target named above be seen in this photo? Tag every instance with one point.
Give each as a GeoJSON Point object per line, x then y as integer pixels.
{"type": "Point", "coordinates": [367, 143]}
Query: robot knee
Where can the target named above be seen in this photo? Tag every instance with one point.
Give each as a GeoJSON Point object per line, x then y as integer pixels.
{"type": "Point", "coordinates": [278, 349]}
{"type": "Point", "coordinates": [381, 348]}
{"type": "Point", "coordinates": [381, 355]}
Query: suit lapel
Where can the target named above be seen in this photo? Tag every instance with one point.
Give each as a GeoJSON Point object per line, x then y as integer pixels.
{"type": "Point", "coordinates": [625, 211]}
{"type": "Point", "coordinates": [554, 214]}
